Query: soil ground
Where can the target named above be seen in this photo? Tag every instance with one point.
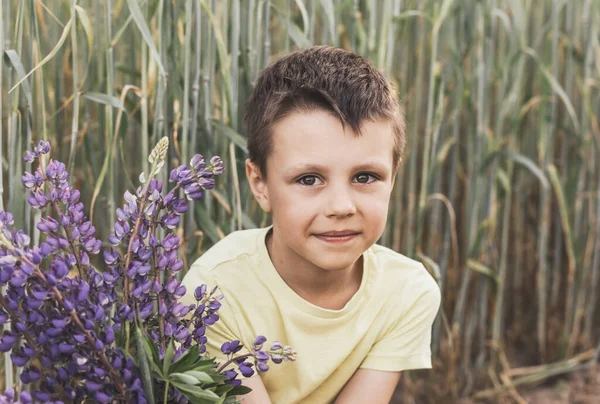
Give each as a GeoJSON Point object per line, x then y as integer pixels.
{"type": "Point", "coordinates": [582, 387]}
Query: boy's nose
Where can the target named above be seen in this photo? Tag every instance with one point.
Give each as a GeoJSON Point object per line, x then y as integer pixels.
{"type": "Point", "coordinates": [340, 203]}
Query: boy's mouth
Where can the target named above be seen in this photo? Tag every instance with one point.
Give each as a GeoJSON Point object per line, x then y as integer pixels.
{"type": "Point", "coordinates": [337, 236]}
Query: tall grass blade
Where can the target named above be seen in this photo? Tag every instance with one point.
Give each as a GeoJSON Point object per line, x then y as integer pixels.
{"type": "Point", "coordinates": [66, 31]}
{"type": "Point", "coordinates": [140, 21]}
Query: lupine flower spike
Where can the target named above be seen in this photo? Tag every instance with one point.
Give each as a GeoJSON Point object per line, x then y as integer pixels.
{"type": "Point", "coordinates": [69, 320]}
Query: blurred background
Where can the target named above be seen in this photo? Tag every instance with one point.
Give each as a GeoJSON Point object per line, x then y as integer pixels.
{"type": "Point", "coordinates": [498, 195]}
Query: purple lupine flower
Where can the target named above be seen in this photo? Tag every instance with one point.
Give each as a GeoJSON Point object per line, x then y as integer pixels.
{"type": "Point", "coordinates": [217, 165]}
{"type": "Point", "coordinates": [45, 302]}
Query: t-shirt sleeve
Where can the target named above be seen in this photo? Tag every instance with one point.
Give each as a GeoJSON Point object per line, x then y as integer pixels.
{"type": "Point", "coordinates": [226, 328]}
{"type": "Point", "coordinates": [407, 342]}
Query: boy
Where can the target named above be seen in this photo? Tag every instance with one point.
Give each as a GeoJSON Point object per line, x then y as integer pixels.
{"type": "Point", "coordinates": [325, 138]}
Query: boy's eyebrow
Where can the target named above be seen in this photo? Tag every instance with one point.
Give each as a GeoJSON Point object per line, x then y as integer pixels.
{"type": "Point", "coordinates": [305, 167]}
{"type": "Point", "coordinates": [369, 165]}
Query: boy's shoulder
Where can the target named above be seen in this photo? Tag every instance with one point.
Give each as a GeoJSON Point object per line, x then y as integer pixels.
{"type": "Point", "coordinates": [389, 256]}
{"type": "Point", "coordinates": [230, 249]}
{"type": "Point", "coordinates": [400, 275]}
{"type": "Point", "coordinates": [394, 263]}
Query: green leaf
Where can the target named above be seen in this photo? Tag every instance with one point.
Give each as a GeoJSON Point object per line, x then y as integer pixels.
{"type": "Point", "coordinates": [556, 87]}
{"type": "Point", "coordinates": [143, 364]}
{"type": "Point", "coordinates": [15, 61]}
{"type": "Point", "coordinates": [504, 180]}
{"type": "Point", "coordinates": [221, 46]}
{"type": "Point", "coordinates": [168, 358]}
{"type": "Point", "coordinates": [247, 222]}
{"type": "Point", "coordinates": [200, 376]}
{"type": "Point", "coordinates": [186, 360]}
{"type": "Point", "coordinates": [234, 136]}
{"type": "Point", "coordinates": [151, 351]}
{"type": "Point", "coordinates": [330, 14]}
{"type": "Point", "coordinates": [206, 223]}
{"type": "Point", "coordinates": [87, 28]}
{"type": "Point", "coordinates": [61, 41]}
{"type": "Point", "coordinates": [444, 150]}
{"type": "Point", "coordinates": [224, 388]}
{"type": "Point", "coordinates": [184, 378]}
{"type": "Point", "coordinates": [206, 364]}
{"type": "Point", "coordinates": [482, 269]}
{"type": "Point", "coordinates": [446, 6]}
{"type": "Point", "coordinates": [240, 390]}
{"type": "Point", "coordinates": [196, 394]}
{"type": "Point", "coordinates": [435, 268]}
{"type": "Point", "coordinates": [412, 13]}
{"type": "Point", "coordinates": [299, 37]}
{"type": "Point", "coordinates": [519, 159]}
{"type": "Point", "coordinates": [222, 399]}
{"type": "Point", "coordinates": [304, 13]}
{"type": "Point", "coordinates": [564, 214]}
{"type": "Point", "coordinates": [104, 99]}
{"type": "Point", "coordinates": [138, 17]}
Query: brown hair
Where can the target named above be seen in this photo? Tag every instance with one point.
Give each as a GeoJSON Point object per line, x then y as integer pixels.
{"type": "Point", "coordinates": [320, 78]}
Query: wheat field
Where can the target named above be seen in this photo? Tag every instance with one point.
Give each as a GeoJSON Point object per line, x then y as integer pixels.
{"type": "Point", "coordinates": [499, 190]}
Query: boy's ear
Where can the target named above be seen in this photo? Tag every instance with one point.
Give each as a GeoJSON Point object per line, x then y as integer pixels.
{"type": "Point", "coordinates": [258, 185]}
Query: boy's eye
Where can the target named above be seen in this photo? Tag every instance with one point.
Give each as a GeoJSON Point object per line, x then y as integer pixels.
{"type": "Point", "coordinates": [309, 180]}
{"type": "Point", "coordinates": [365, 178]}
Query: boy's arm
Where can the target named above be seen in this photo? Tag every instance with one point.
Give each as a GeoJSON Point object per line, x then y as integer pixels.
{"type": "Point", "coordinates": [405, 346]}
{"type": "Point", "coordinates": [369, 386]}
{"type": "Point", "coordinates": [258, 395]}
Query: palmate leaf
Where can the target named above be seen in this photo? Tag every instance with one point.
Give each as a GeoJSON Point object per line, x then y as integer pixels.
{"type": "Point", "coordinates": [184, 378]}
{"type": "Point", "coordinates": [224, 388]}
{"type": "Point", "coordinates": [196, 394]}
{"type": "Point", "coordinates": [191, 360]}
{"type": "Point", "coordinates": [240, 390]}
{"type": "Point", "coordinates": [222, 399]}
{"type": "Point", "coordinates": [200, 376]}
{"type": "Point", "coordinates": [186, 361]}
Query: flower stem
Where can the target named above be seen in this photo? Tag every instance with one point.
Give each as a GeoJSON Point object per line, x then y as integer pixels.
{"type": "Point", "coordinates": [230, 361]}
{"type": "Point", "coordinates": [127, 333]}
{"type": "Point", "coordinates": [166, 393]}
{"type": "Point", "coordinates": [136, 229]}
{"type": "Point", "coordinates": [75, 252]}
{"type": "Point", "coordinates": [161, 325]}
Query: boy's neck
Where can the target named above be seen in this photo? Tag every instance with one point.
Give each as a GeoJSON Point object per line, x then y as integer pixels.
{"type": "Point", "coordinates": [326, 289]}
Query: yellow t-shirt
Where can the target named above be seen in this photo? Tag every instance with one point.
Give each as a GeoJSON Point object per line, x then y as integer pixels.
{"type": "Point", "coordinates": [386, 325]}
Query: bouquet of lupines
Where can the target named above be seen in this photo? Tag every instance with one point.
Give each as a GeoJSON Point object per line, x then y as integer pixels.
{"type": "Point", "coordinates": [120, 334]}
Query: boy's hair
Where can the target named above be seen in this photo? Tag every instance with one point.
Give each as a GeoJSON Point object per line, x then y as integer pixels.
{"type": "Point", "coordinates": [320, 78]}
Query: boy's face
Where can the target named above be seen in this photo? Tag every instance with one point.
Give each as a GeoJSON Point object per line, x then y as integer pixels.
{"type": "Point", "coordinates": [328, 190]}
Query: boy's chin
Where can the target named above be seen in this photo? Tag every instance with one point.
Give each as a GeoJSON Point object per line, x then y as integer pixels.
{"type": "Point", "coordinates": [335, 264]}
